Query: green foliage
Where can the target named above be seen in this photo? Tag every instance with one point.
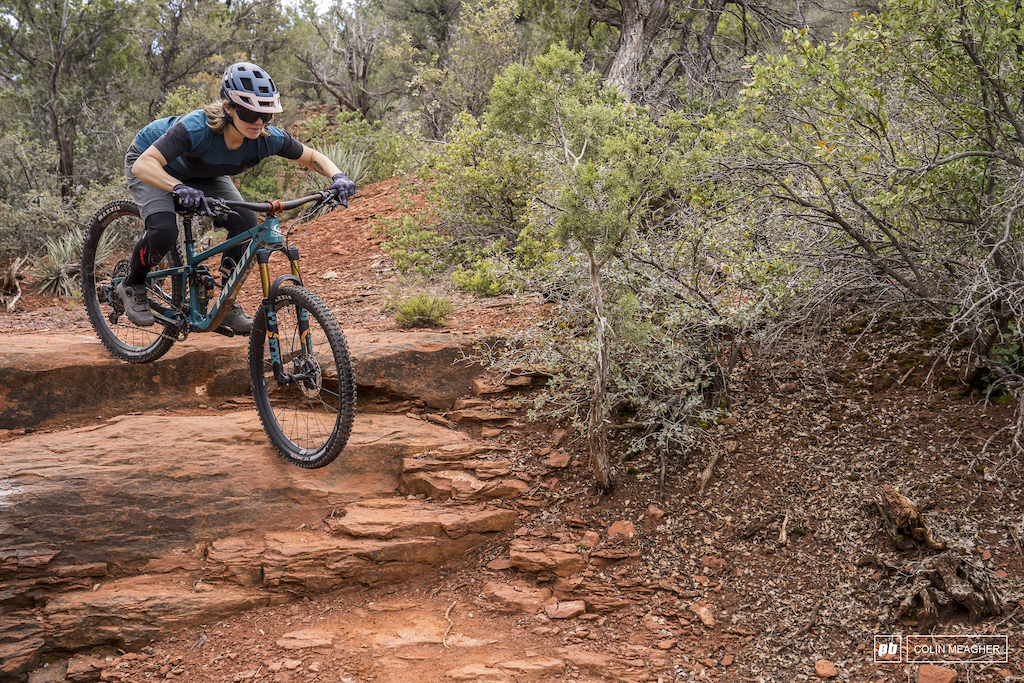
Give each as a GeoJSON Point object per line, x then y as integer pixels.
{"type": "Point", "coordinates": [487, 277]}
{"type": "Point", "coordinates": [412, 246]}
{"type": "Point", "coordinates": [422, 310]}
{"type": "Point", "coordinates": [484, 42]}
{"type": "Point", "coordinates": [352, 163]}
{"type": "Point", "coordinates": [35, 217]}
{"type": "Point", "coordinates": [480, 185]}
{"type": "Point", "coordinates": [184, 99]}
{"type": "Point", "coordinates": [263, 181]}
{"type": "Point", "coordinates": [58, 273]}
{"type": "Point", "coordinates": [382, 152]}
{"type": "Point", "coordinates": [27, 165]}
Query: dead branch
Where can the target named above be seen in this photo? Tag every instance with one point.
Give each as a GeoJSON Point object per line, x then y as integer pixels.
{"type": "Point", "coordinates": [784, 534]}
{"type": "Point", "coordinates": [757, 527]}
{"type": "Point", "coordinates": [902, 518]}
{"type": "Point", "coordinates": [9, 285]}
{"type": "Point", "coordinates": [451, 624]}
{"type": "Point", "coordinates": [811, 621]}
{"type": "Point", "coordinates": [705, 476]}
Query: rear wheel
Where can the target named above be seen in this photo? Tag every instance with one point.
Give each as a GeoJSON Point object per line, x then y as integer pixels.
{"type": "Point", "coordinates": [308, 415]}
{"type": "Point", "coordinates": [106, 254]}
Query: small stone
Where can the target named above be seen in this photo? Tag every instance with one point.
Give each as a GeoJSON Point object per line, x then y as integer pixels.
{"type": "Point", "coordinates": [621, 531]}
{"type": "Point", "coordinates": [534, 667]}
{"type": "Point", "coordinates": [655, 512]}
{"type": "Point", "coordinates": [478, 672]}
{"type": "Point", "coordinates": [557, 460]}
{"type": "Point", "coordinates": [727, 660]}
{"type": "Point", "coordinates": [300, 640]}
{"type": "Point", "coordinates": [590, 539]}
{"type": "Point", "coordinates": [566, 610]}
{"type": "Point", "coordinates": [667, 644]}
{"type": "Point", "coordinates": [930, 673]}
{"type": "Point", "coordinates": [500, 564]}
{"type": "Point", "coordinates": [825, 669]}
{"type": "Point", "coordinates": [704, 613]}
{"type": "Point", "coordinates": [292, 664]}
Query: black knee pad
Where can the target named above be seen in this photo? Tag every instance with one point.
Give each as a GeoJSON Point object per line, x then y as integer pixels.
{"type": "Point", "coordinates": [160, 236]}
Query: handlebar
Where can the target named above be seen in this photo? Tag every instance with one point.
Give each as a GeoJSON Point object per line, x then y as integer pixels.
{"type": "Point", "coordinates": [224, 206]}
{"type": "Point", "coordinates": [275, 206]}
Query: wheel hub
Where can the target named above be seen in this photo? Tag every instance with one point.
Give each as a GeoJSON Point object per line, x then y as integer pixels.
{"type": "Point", "coordinates": [311, 377]}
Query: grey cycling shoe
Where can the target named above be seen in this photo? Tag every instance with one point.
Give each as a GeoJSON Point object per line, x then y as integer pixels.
{"type": "Point", "coordinates": [237, 321]}
{"type": "Point", "coordinates": [136, 305]}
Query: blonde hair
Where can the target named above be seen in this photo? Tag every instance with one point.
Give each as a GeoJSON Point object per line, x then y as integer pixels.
{"type": "Point", "coordinates": [217, 117]}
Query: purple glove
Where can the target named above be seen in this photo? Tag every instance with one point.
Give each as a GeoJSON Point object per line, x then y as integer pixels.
{"type": "Point", "coordinates": [342, 186]}
{"type": "Point", "coordinates": [190, 197]}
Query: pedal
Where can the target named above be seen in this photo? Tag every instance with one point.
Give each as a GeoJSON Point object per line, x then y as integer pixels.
{"type": "Point", "coordinates": [226, 331]}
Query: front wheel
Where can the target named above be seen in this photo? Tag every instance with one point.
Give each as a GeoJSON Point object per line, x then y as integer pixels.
{"type": "Point", "coordinates": [308, 412]}
{"type": "Point", "coordinates": [106, 255]}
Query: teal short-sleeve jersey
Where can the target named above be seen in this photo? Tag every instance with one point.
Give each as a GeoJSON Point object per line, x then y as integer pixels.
{"type": "Point", "coordinates": [193, 151]}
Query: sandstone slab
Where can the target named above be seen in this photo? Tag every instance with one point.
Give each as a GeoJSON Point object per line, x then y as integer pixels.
{"type": "Point", "coordinates": [46, 377]}
{"type": "Point", "coordinates": [508, 598]}
{"type": "Point", "coordinates": [428, 366]}
{"type": "Point", "coordinates": [463, 473]}
{"type": "Point", "coordinates": [401, 518]}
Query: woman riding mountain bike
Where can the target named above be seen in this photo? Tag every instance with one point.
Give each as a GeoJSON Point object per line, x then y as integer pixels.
{"type": "Point", "coordinates": [189, 157]}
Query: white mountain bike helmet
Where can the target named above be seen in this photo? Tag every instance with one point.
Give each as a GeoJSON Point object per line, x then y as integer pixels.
{"type": "Point", "coordinates": [249, 86]}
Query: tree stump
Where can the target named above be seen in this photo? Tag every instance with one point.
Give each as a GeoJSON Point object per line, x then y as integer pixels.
{"type": "Point", "coordinates": [903, 519]}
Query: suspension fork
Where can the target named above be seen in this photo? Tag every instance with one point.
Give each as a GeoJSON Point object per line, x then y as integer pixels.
{"type": "Point", "coordinates": [270, 307]}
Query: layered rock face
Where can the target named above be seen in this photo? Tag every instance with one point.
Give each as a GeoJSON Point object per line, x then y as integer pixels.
{"type": "Point", "coordinates": [118, 532]}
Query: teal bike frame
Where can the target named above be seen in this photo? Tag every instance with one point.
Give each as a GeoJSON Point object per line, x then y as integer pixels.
{"type": "Point", "coordinates": [199, 314]}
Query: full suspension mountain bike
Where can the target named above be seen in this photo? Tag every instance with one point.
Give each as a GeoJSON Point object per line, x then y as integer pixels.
{"type": "Point", "coordinates": [299, 365]}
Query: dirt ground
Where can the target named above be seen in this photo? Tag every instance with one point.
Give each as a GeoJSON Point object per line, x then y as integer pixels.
{"type": "Point", "coordinates": [781, 568]}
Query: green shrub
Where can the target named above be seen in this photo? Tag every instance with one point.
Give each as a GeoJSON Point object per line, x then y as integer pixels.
{"type": "Point", "coordinates": [481, 184]}
{"type": "Point", "coordinates": [28, 222]}
{"type": "Point", "coordinates": [382, 152]}
{"type": "Point", "coordinates": [413, 248]}
{"type": "Point", "coordinates": [422, 310]}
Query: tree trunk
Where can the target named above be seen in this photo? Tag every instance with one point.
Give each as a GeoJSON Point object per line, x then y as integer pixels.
{"type": "Point", "coordinates": [596, 431]}
{"type": "Point", "coordinates": [639, 24]}
{"type": "Point", "coordinates": [65, 136]}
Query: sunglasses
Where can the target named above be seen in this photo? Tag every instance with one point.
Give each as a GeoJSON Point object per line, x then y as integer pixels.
{"type": "Point", "coordinates": [250, 116]}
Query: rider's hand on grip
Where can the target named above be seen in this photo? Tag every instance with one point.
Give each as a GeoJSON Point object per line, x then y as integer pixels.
{"type": "Point", "coordinates": [191, 198]}
{"type": "Point", "coordinates": [342, 187]}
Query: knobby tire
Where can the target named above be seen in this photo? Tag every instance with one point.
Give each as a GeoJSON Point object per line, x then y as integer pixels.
{"type": "Point", "coordinates": [106, 254]}
{"type": "Point", "coordinates": [309, 421]}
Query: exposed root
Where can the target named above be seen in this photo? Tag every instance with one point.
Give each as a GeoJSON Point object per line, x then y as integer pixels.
{"type": "Point", "coordinates": [946, 584]}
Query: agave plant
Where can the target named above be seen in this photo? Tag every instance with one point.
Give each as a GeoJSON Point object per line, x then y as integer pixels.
{"type": "Point", "coordinates": [60, 270]}
{"type": "Point", "coordinates": [354, 164]}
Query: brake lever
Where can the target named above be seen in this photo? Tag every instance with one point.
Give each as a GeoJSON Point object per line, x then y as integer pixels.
{"type": "Point", "coordinates": [218, 207]}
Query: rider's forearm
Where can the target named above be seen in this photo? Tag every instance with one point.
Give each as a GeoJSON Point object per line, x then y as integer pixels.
{"type": "Point", "coordinates": [315, 161]}
{"type": "Point", "coordinates": [149, 168]}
